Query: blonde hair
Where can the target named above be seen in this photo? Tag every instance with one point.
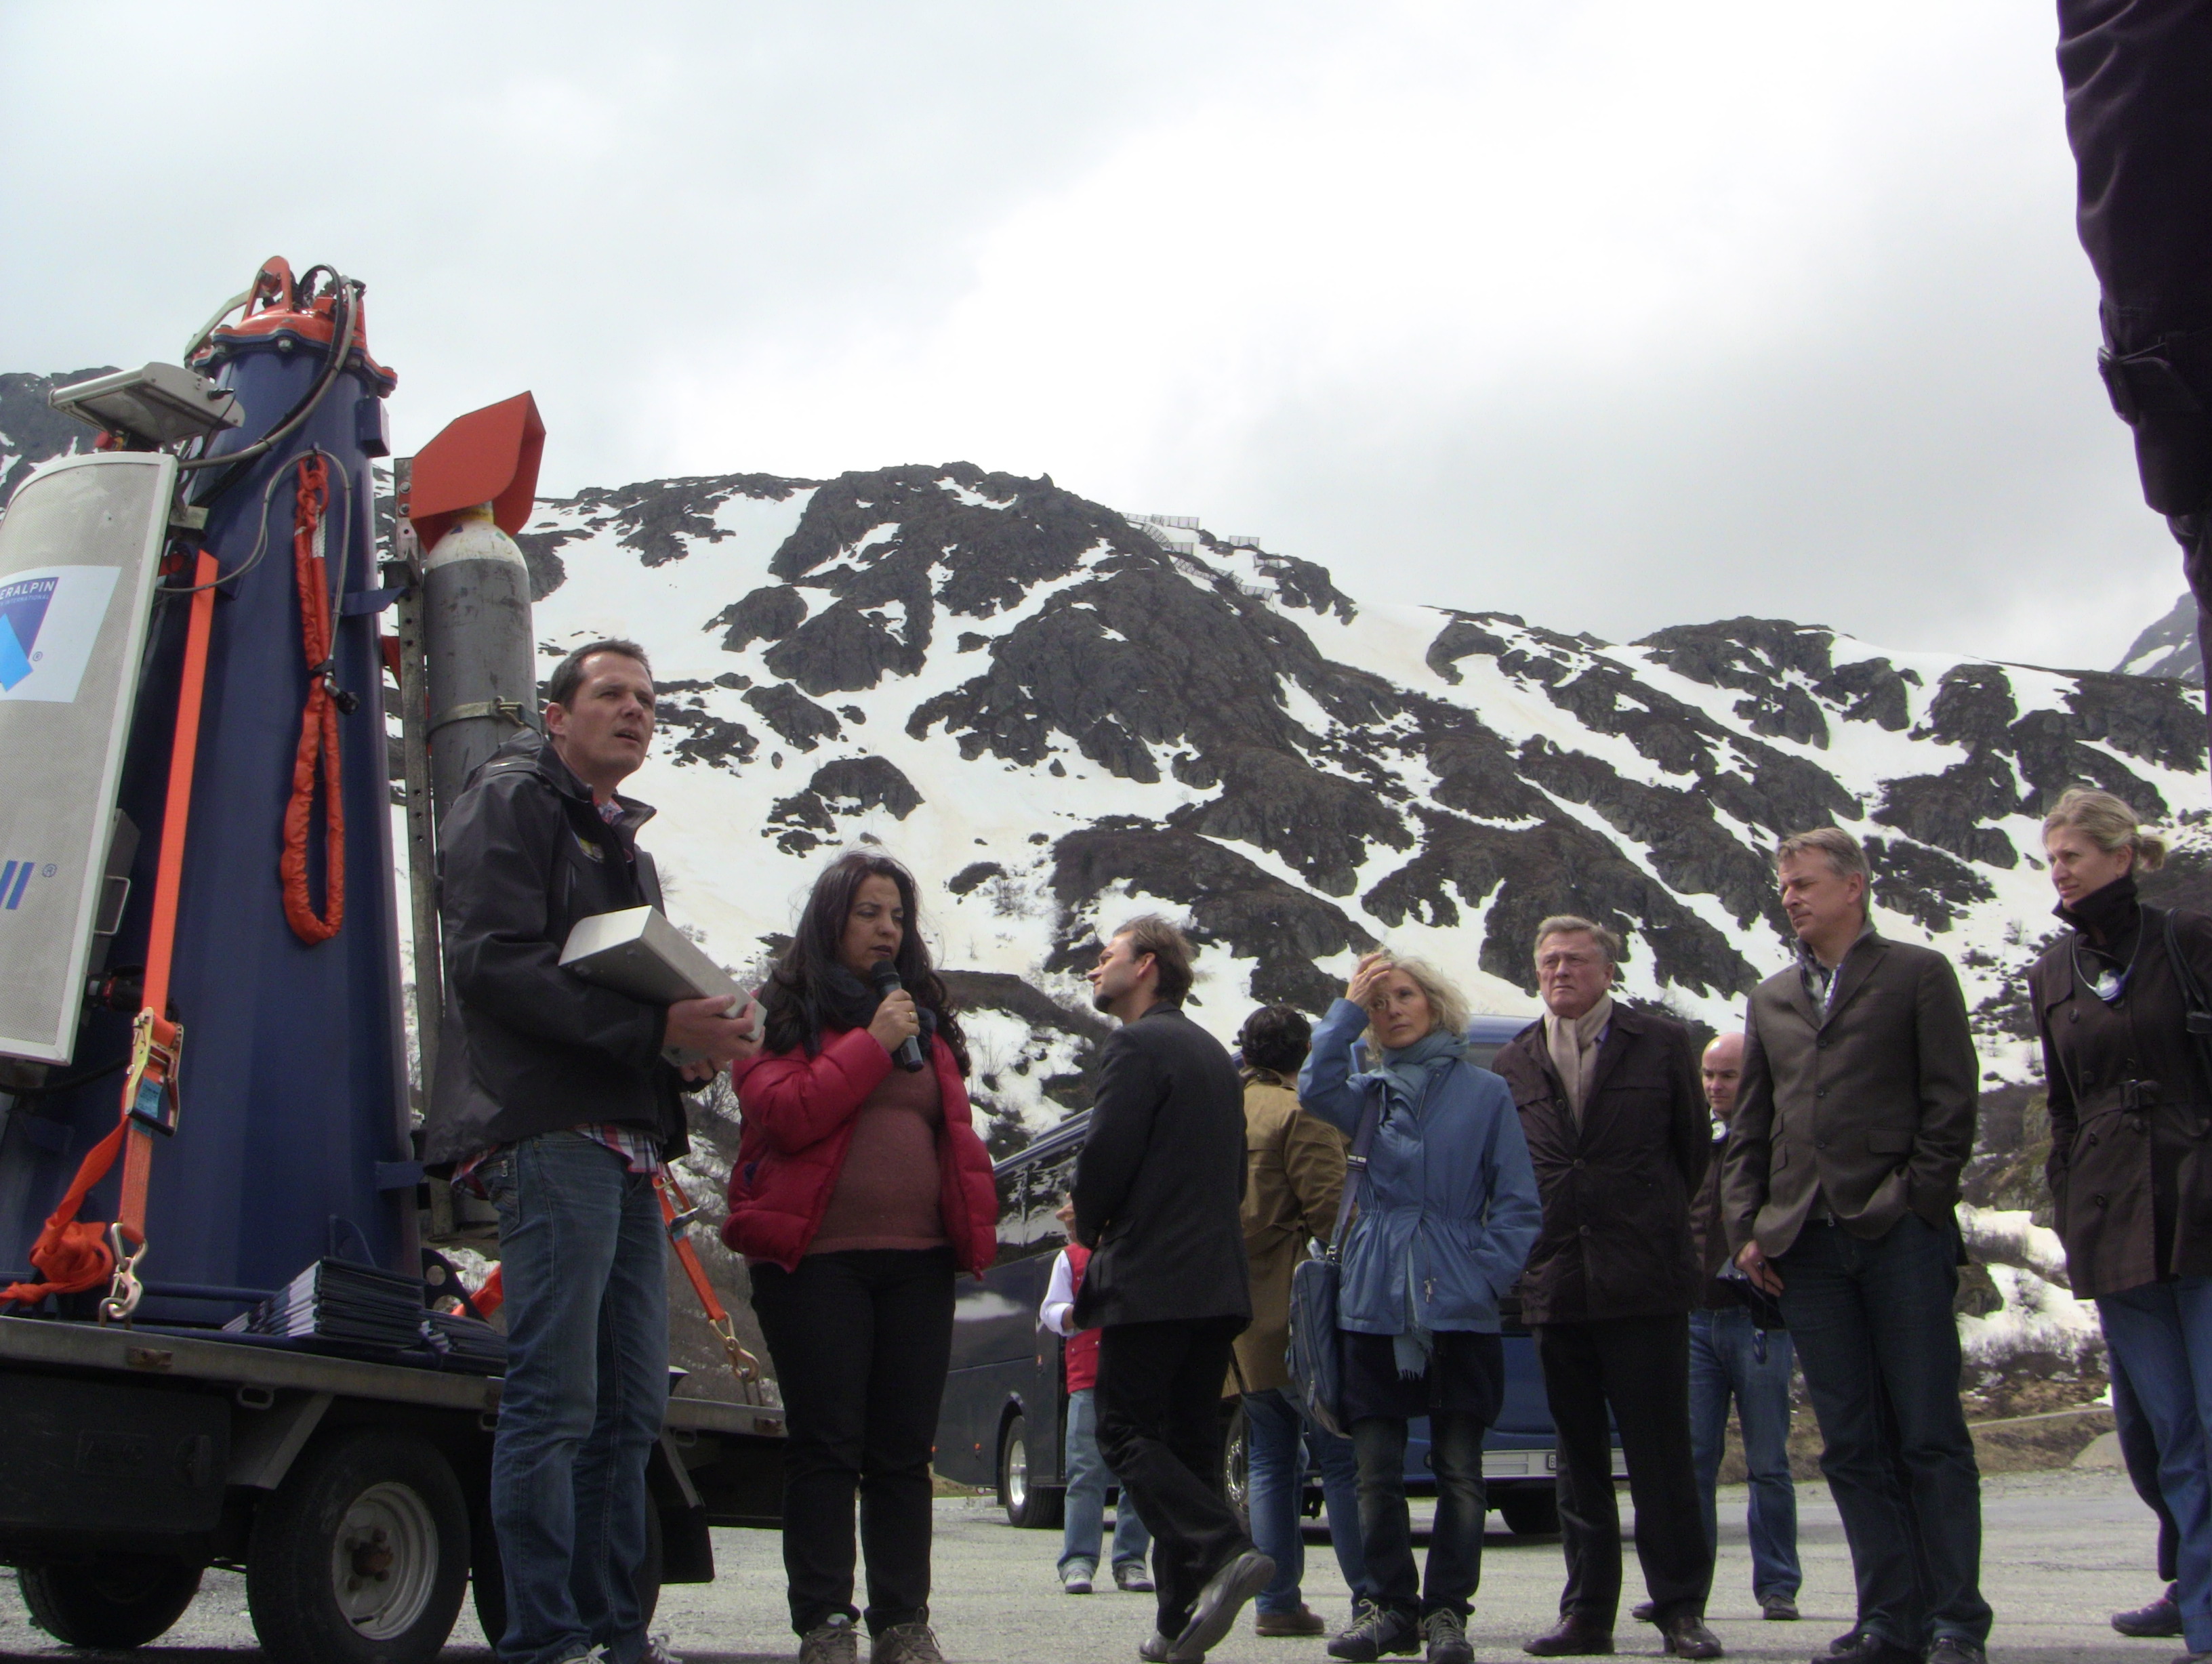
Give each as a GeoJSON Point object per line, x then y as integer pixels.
{"type": "Point", "coordinates": [1447, 1005]}
{"type": "Point", "coordinates": [2108, 823]}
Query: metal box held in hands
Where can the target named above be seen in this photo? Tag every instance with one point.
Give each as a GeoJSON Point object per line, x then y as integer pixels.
{"type": "Point", "coordinates": [638, 952]}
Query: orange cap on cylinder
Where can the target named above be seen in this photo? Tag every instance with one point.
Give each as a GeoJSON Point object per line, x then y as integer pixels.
{"type": "Point", "coordinates": [487, 456]}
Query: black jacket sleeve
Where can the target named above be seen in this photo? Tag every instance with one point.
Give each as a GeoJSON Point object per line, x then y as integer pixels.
{"type": "Point", "coordinates": [500, 845]}
{"type": "Point", "coordinates": [1692, 1118]}
{"type": "Point", "coordinates": [1130, 1089]}
{"type": "Point", "coordinates": [1745, 1165]}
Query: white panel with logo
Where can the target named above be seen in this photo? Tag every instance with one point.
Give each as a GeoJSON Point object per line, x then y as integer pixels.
{"type": "Point", "coordinates": [79, 546]}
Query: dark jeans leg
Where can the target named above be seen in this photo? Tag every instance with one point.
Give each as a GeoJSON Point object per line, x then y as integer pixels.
{"type": "Point", "coordinates": [1339, 1489]}
{"type": "Point", "coordinates": [1759, 1363]}
{"type": "Point", "coordinates": [575, 1423]}
{"type": "Point", "coordinates": [860, 1341]}
{"type": "Point", "coordinates": [1711, 1390]}
{"type": "Point", "coordinates": [1386, 1529]}
{"type": "Point", "coordinates": [2139, 1450]}
{"type": "Point", "coordinates": [1275, 1464]}
{"type": "Point", "coordinates": [1589, 1515]}
{"type": "Point", "coordinates": [1454, 1570]}
{"type": "Point", "coordinates": [1159, 1426]}
{"type": "Point", "coordinates": [2161, 1332]}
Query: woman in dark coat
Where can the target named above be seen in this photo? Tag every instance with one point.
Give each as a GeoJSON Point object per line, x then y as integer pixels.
{"type": "Point", "coordinates": [860, 1189]}
{"type": "Point", "coordinates": [2130, 1106]}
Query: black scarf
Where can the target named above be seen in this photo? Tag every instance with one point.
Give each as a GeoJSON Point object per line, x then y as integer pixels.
{"type": "Point", "coordinates": [2107, 920]}
{"type": "Point", "coordinates": [849, 1003]}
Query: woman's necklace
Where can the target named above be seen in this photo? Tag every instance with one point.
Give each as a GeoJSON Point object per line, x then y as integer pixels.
{"type": "Point", "coordinates": [2110, 983]}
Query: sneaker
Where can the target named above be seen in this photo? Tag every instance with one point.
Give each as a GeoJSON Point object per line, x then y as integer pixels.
{"type": "Point", "coordinates": [1236, 1581]}
{"type": "Point", "coordinates": [1380, 1631]}
{"type": "Point", "coordinates": [1445, 1632]}
{"type": "Point", "coordinates": [1304, 1620]}
{"type": "Point", "coordinates": [1131, 1578]}
{"type": "Point", "coordinates": [2162, 1617]}
{"type": "Point", "coordinates": [833, 1642]}
{"type": "Point", "coordinates": [906, 1643]}
{"type": "Point", "coordinates": [656, 1651]}
{"type": "Point", "coordinates": [1075, 1578]}
{"type": "Point", "coordinates": [1778, 1608]}
{"type": "Point", "coordinates": [1956, 1650]}
{"type": "Point", "coordinates": [1573, 1637]}
{"type": "Point", "coordinates": [1688, 1637]}
{"type": "Point", "coordinates": [595, 1655]}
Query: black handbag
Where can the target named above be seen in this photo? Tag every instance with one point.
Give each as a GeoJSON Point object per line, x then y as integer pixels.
{"type": "Point", "coordinates": [1317, 1354]}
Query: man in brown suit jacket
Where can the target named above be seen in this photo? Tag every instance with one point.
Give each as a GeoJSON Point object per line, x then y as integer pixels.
{"type": "Point", "coordinates": [1855, 1115]}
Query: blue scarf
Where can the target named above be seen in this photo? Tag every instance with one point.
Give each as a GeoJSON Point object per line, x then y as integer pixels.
{"type": "Point", "coordinates": [1404, 1079]}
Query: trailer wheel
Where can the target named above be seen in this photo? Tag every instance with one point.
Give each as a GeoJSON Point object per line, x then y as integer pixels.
{"type": "Point", "coordinates": [362, 1555]}
{"type": "Point", "coordinates": [118, 1601]}
{"type": "Point", "coordinates": [488, 1580]}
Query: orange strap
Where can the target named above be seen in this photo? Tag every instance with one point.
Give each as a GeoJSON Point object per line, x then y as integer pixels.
{"type": "Point", "coordinates": [319, 728]}
{"type": "Point", "coordinates": [74, 1255]}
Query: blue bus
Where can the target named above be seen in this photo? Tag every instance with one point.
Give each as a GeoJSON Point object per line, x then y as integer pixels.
{"type": "Point", "coordinates": [1001, 1427]}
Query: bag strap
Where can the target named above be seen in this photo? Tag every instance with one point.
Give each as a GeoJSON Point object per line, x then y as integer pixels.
{"type": "Point", "coordinates": [2198, 1016]}
{"type": "Point", "coordinates": [1355, 1175]}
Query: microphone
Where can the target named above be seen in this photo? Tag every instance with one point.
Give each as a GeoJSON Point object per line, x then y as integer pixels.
{"type": "Point", "coordinates": [908, 1056]}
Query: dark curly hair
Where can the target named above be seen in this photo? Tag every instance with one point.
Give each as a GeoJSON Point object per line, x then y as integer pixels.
{"type": "Point", "coordinates": [795, 999]}
{"type": "Point", "coordinates": [1275, 1037]}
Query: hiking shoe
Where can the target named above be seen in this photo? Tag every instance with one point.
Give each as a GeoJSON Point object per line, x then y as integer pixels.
{"type": "Point", "coordinates": [833, 1642]}
{"type": "Point", "coordinates": [1573, 1637]}
{"type": "Point", "coordinates": [1075, 1578]}
{"type": "Point", "coordinates": [1380, 1631]}
{"type": "Point", "coordinates": [1238, 1578]}
{"type": "Point", "coordinates": [656, 1651]}
{"type": "Point", "coordinates": [906, 1643]}
{"type": "Point", "coordinates": [2162, 1617]}
{"type": "Point", "coordinates": [1688, 1637]}
{"type": "Point", "coordinates": [1778, 1609]}
{"type": "Point", "coordinates": [1956, 1650]}
{"type": "Point", "coordinates": [1445, 1632]}
{"type": "Point", "coordinates": [1303, 1621]}
{"type": "Point", "coordinates": [1644, 1611]}
{"type": "Point", "coordinates": [1131, 1578]}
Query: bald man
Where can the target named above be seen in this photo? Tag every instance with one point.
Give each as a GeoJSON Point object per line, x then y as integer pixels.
{"type": "Point", "coordinates": [1739, 1350]}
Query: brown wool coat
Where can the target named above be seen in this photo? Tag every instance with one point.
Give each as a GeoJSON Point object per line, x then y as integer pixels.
{"type": "Point", "coordinates": [1295, 1165]}
{"type": "Point", "coordinates": [1872, 1105]}
{"type": "Point", "coordinates": [2128, 1170]}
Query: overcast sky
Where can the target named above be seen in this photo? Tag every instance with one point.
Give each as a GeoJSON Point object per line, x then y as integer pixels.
{"type": "Point", "coordinates": [1616, 315]}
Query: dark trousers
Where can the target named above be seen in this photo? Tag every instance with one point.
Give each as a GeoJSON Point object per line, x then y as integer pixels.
{"type": "Point", "coordinates": [1160, 1429]}
{"type": "Point", "coordinates": [2139, 1450]}
{"type": "Point", "coordinates": [1640, 1369]}
{"type": "Point", "coordinates": [1455, 1569]}
{"type": "Point", "coordinates": [861, 1340]}
{"type": "Point", "coordinates": [1872, 1322]}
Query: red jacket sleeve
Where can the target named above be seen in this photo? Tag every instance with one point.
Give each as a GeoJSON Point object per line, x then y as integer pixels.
{"type": "Point", "coordinates": [795, 1100]}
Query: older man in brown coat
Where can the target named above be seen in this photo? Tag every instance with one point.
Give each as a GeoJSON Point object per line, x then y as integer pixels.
{"type": "Point", "coordinates": [1616, 1125]}
{"type": "Point", "coordinates": [1855, 1115]}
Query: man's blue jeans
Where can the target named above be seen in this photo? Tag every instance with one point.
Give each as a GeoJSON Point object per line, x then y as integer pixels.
{"type": "Point", "coordinates": [1277, 1437]}
{"type": "Point", "coordinates": [1730, 1357]}
{"type": "Point", "coordinates": [1873, 1319]}
{"type": "Point", "coordinates": [1083, 1523]}
{"type": "Point", "coordinates": [585, 1259]}
{"type": "Point", "coordinates": [2161, 1335]}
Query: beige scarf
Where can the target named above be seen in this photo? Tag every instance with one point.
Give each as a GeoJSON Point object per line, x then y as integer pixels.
{"type": "Point", "coordinates": [1573, 1045]}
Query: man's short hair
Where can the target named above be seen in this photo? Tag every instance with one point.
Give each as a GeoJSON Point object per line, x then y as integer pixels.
{"type": "Point", "coordinates": [1276, 1037]}
{"type": "Point", "coordinates": [1148, 932]}
{"type": "Point", "coordinates": [568, 674]}
{"type": "Point", "coordinates": [1569, 924]}
{"type": "Point", "coordinates": [1845, 854]}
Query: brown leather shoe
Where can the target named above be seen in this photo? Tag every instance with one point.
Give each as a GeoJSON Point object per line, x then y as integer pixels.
{"type": "Point", "coordinates": [1574, 1636]}
{"type": "Point", "coordinates": [1305, 1621]}
{"type": "Point", "coordinates": [1688, 1637]}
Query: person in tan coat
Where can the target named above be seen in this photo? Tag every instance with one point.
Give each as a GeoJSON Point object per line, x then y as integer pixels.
{"type": "Point", "coordinates": [1294, 1167]}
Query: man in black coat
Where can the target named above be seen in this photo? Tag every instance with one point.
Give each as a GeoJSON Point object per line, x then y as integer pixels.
{"type": "Point", "coordinates": [1157, 1188]}
{"type": "Point", "coordinates": [552, 1098]}
{"type": "Point", "coordinates": [1615, 1121]}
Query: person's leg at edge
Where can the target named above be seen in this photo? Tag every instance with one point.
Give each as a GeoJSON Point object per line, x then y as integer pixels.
{"type": "Point", "coordinates": [1132, 1538]}
{"type": "Point", "coordinates": [1386, 1527]}
{"type": "Point", "coordinates": [1647, 1381]}
{"type": "Point", "coordinates": [1589, 1515]}
{"type": "Point", "coordinates": [1083, 1517]}
{"type": "Point", "coordinates": [1759, 1361]}
{"type": "Point", "coordinates": [1275, 1477]}
{"type": "Point", "coordinates": [611, 1499]}
{"type": "Point", "coordinates": [2139, 1454]}
{"type": "Point", "coordinates": [1830, 1325]}
{"type": "Point", "coordinates": [1198, 1435]}
{"type": "Point", "coordinates": [1339, 1495]}
{"type": "Point", "coordinates": [1912, 1280]}
{"type": "Point", "coordinates": [559, 1197]}
{"type": "Point", "coordinates": [2147, 1329]}
{"type": "Point", "coordinates": [819, 1325]}
{"type": "Point", "coordinates": [1454, 1568]}
{"type": "Point", "coordinates": [912, 1290]}
{"type": "Point", "coordinates": [1710, 1387]}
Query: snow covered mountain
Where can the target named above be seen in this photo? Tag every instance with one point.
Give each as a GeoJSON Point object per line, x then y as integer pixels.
{"type": "Point", "coordinates": [2168, 647]}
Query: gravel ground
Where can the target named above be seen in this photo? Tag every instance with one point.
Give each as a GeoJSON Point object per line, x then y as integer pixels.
{"type": "Point", "coordinates": [2062, 1549]}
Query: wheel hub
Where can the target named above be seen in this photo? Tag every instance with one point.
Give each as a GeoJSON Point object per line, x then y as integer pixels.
{"type": "Point", "coordinates": [384, 1560]}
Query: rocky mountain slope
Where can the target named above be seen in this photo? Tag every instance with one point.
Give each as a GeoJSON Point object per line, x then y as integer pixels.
{"type": "Point", "coordinates": [2168, 647]}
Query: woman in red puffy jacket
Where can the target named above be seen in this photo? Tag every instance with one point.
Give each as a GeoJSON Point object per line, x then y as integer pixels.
{"type": "Point", "coordinates": [859, 1192]}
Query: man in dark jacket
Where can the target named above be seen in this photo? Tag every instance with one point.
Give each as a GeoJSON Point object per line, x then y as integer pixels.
{"type": "Point", "coordinates": [1156, 1193]}
{"type": "Point", "coordinates": [1841, 1183]}
{"type": "Point", "coordinates": [553, 1098]}
{"type": "Point", "coordinates": [1616, 1129]}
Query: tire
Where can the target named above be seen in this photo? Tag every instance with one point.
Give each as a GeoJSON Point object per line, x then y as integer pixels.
{"type": "Point", "coordinates": [488, 1580]}
{"type": "Point", "coordinates": [362, 1555]}
{"type": "Point", "coordinates": [1530, 1510]}
{"type": "Point", "coordinates": [1029, 1507]}
{"type": "Point", "coordinates": [119, 1600]}
{"type": "Point", "coordinates": [1236, 1469]}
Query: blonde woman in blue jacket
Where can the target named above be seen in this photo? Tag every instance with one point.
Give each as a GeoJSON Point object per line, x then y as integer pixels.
{"type": "Point", "coordinates": [1449, 1214]}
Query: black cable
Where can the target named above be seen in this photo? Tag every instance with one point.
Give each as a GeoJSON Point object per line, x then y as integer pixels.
{"type": "Point", "coordinates": [342, 328]}
{"type": "Point", "coordinates": [69, 1084]}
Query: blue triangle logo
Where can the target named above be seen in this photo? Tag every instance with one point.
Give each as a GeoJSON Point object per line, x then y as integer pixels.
{"type": "Point", "coordinates": [15, 663]}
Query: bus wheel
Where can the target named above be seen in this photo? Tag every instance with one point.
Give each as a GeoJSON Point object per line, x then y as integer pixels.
{"type": "Point", "coordinates": [1033, 1508]}
{"type": "Point", "coordinates": [118, 1601]}
{"type": "Point", "coordinates": [362, 1555]}
{"type": "Point", "coordinates": [1529, 1511]}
